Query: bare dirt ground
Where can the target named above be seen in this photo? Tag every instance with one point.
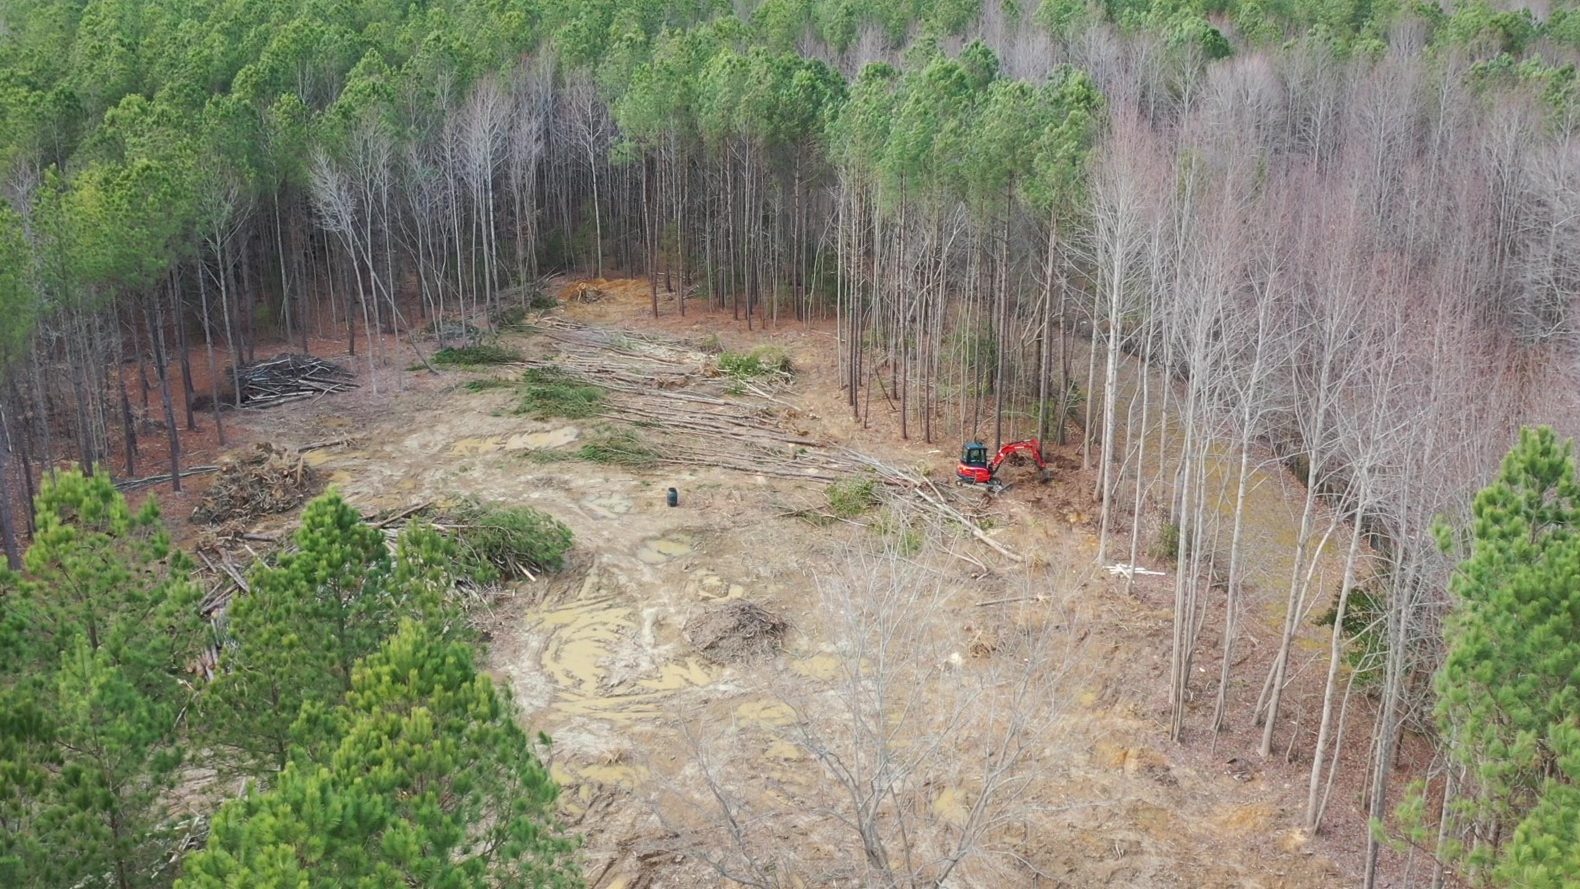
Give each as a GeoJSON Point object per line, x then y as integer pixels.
{"type": "Point", "coordinates": [598, 657]}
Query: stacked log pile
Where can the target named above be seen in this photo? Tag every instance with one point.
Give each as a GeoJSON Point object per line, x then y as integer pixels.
{"type": "Point", "coordinates": [288, 377]}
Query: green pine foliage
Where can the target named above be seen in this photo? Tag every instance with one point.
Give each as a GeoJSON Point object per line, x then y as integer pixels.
{"type": "Point", "coordinates": [500, 542]}
{"type": "Point", "coordinates": [617, 447]}
{"type": "Point", "coordinates": [100, 570]}
{"type": "Point", "coordinates": [294, 636]}
{"type": "Point", "coordinates": [548, 392]}
{"type": "Point", "coordinates": [851, 498]}
{"type": "Point", "coordinates": [431, 783]}
{"type": "Point", "coordinates": [346, 686]}
{"type": "Point", "coordinates": [1509, 689]}
{"type": "Point", "coordinates": [476, 356]}
{"type": "Point", "coordinates": [97, 635]}
{"type": "Point", "coordinates": [764, 361]}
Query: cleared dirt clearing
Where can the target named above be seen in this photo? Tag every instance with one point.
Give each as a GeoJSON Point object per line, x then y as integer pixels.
{"type": "Point", "coordinates": [599, 658]}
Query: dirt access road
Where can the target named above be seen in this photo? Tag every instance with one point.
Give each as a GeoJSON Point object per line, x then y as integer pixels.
{"type": "Point", "coordinates": [598, 657]}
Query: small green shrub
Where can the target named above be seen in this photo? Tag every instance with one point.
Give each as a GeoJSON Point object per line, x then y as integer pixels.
{"type": "Point", "coordinates": [1365, 626]}
{"type": "Point", "coordinates": [906, 538]}
{"type": "Point", "coordinates": [473, 356]}
{"type": "Point", "coordinates": [763, 361]}
{"type": "Point", "coordinates": [612, 447]}
{"type": "Point", "coordinates": [849, 499]}
{"type": "Point", "coordinates": [539, 300]}
{"type": "Point", "coordinates": [512, 319]}
{"type": "Point", "coordinates": [499, 542]}
{"type": "Point", "coordinates": [1167, 546]}
{"type": "Point", "coordinates": [550, 392]}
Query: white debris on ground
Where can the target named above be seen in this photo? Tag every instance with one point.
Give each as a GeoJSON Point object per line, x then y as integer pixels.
{"type": "Point", "coordinates": [1132, 570]}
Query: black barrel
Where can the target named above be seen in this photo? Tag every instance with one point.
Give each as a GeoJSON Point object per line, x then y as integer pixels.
{"type": "Point", "coordinates": [673, 497]}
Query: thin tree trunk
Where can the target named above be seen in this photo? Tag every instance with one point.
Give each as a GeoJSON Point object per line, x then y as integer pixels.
{"type": "Point", "coordinates": [161, 365]}
{"type": "Point", "coordinates": [230, 340]}
{"type": "Point", "coordinates": [1335, 656]}
{"type": "Point", "coordinates": [128, 427]}
{"type": "Point", "coordinates": [1275, 688]}
{"type": "Point", "coordinates": [1231, 603]}
{"type": "Point", "coordinates": [1110, 392]}
{"type": "Point", "coordinates": [176, 306]}
{"type": "Point", "coordinates": [8, 535]}
{"type": "Point", "coordinates": [208, 348]}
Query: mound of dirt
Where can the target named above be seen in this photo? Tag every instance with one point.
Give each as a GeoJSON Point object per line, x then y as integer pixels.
{"type": "Point", "coordinates": [591, 290]}
{"type": "Point", "coordinates": [265, 480]}
{"type": "Point", "coordinates": [736, 631]}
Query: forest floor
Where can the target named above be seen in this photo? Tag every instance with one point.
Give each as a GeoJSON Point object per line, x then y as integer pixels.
{"type": "Point", "coordinates": [598, 657]}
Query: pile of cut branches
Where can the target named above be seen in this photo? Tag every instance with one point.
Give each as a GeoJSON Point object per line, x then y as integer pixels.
{"type": "Point", "coordinates": [267, 479]}
{"type": "Point", "coordinates": [286, 378]}
{"type": "Point", "coordinates": [737, 631]}
{"type": "Point", "coordinates": [502, 543]}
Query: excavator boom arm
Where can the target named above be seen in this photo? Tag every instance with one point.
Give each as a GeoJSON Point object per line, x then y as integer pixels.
{"type": "Point", "coordinates": [1030, 447]}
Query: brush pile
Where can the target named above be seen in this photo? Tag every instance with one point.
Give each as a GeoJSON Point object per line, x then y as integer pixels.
{"type": "Point", "coordinates": [263, 481]}
{"type": "Point", "coordinates": [736, 631]}
{"type": "Point", "coordinates": [288, 377]}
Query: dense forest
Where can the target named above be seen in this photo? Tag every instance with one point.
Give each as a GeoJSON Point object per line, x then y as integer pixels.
{"type": "Point", "coordinates": [1340, 235]}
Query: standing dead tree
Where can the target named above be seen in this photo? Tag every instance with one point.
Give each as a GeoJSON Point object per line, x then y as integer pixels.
{"type": "Point", "coordinates": [1121, 203]}
{"type": "Point", "coordinates": [484, 128]}
{"type": "Point", "coordinates": [532, 98]}
{"type": "Point", "coordinates": [586, 121]}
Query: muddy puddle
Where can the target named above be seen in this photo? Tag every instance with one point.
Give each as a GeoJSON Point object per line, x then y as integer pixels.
{"type": "Point", "coordinates": [816, 666]}
{"type": "Point", "coordinates": [661, 549]}
{"type": "Point", "coordinates": [476, 446]}
{"type": "Point", "coordinates": [600, 660]}
{"type": "Point", "coordinates": [607, 506]}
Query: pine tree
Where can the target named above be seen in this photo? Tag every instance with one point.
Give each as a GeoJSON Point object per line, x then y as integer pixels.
{"type": "Point", "coordinates": [22, 775]}
{"type": "Point", "coordinates": [432, 783]}
{"type": "Point", "coordinates": [96, 634]}
{"type": "Point", "coordinates": [1509, 689]}
{"type": "Point", "coordinates": [1545, 851]}
{"type": "Point", "coordinates": [116, 756]}
{"type": "Point", "coordinates": [98, 569]}
{"type": "Point", "coordinates": [296, 632]}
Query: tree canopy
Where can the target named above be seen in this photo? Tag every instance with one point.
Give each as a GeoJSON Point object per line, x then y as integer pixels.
{"type": "Point", "coordinates": [1509, 689]}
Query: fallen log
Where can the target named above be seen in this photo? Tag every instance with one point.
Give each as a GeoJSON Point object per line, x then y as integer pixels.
{"type": "Point", "coordinates": [136, 483]}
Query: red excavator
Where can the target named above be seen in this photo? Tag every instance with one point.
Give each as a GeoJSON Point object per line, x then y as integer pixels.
{"type": "Point", "coordinates": [976, 469]}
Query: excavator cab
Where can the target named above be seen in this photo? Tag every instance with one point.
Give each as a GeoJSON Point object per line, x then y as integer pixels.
{"type": "Point", "coordinates": [974, 467]}
{"type": "Point", "coordinates": [975, 454]}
